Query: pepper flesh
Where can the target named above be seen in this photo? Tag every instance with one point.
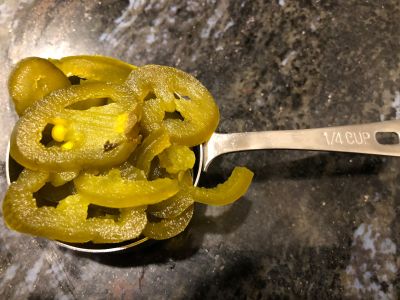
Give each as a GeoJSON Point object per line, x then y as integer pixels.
{"type": "Point", "coordinates": [68, 221]}
{"type": "Point", "coordinates": [177, 158]}
{"type": "Point", "coordinates": [111, 190]}
{"type": "Point", "coordinates": [61, 178]}
{"type": "Point", "coordinates": [225, 193]}
{"type": "Point", "coordinates": [174, 206]}
{"type": "Point", "coordinates": [152, 145]}
{"type": "Point", "coordinates": [32, 79]}
{"type": "Point", "coordinates": [81, 151]}
{"type": "Point", "coordinates": [167, 228]}
{"type": "Point", "coordinates": [175, 91]}
{"type": "Point", "coordinates": [94, 68]}
{"type": "Point", "coordinates": [130, 172]}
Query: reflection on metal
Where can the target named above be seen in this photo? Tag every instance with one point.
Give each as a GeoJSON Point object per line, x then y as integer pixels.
{"type": "Point", "coordinates": [353, 138]}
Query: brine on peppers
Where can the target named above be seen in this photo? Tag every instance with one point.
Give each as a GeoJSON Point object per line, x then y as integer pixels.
{"type": "Point", "coordinates": [114, 150]}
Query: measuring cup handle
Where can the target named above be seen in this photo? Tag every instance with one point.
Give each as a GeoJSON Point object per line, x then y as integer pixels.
{"type": "Point", "coordinates": [381, 138]}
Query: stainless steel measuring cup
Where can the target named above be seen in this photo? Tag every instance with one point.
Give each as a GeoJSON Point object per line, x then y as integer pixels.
{"type": "Point", "coordinates": [380, 138]}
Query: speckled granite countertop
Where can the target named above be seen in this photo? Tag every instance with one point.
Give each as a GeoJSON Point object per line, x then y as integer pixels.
{"type": "Point", "coordinates": [313, 225]}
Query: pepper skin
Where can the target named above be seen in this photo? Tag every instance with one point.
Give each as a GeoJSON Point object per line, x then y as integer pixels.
{"type": "Point", "coordinates": [32, 79]}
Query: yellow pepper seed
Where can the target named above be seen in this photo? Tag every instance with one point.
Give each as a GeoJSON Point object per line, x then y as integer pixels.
{"type": "Point", "coordinates": [58, 133]}
{"type": "Point", "coordinates": [67, 146]}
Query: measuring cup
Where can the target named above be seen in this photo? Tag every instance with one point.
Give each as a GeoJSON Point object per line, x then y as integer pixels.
{"type": "Point", "coordinates": [380, 138]}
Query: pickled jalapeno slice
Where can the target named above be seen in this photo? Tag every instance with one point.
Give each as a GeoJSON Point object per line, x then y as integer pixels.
{"type": "Point", "coordinates": [100, 136]}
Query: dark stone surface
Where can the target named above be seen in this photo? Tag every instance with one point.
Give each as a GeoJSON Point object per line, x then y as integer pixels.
{"type": "Point", "coordinates": [313, 225]}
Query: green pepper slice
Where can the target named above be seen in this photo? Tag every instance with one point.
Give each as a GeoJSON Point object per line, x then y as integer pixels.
{"type": "Point", "coordinates": [168, 228]}
{"type": "Point", "coordinates": [111, 190]}
{"type": "Point", "coordinates": [174, 206]}
{"type": "Point", "coordinates": [174, 91]}
{"type": "Point", "coordinates": [61, 178]}
{"type": "Point", "coordinates": [95, 126]}
{"type": "Point", "coordinates": [130, 172]}
{"type": "Point", "coordinates": [94, 68]}
{"type": "Point", "coordinates": [151, 146]}
{"type": "Point", "coordinates": [177, 158]}
{"type": "Point", "coordinates": [77, 132]}
{"type": "Point", "coordinates": [32, 79]}
{"type": "Point", "coordinates": [68, 221]}
{"type": "Point", "coordinates": [225, 193]}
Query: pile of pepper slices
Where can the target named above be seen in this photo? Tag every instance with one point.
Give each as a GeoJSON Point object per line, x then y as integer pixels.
{"type": "Point", "coordinates": [107, 150]}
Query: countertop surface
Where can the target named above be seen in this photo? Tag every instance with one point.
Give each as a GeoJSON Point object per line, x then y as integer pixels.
{"type": "Point", "coordinates": [313, 224]}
